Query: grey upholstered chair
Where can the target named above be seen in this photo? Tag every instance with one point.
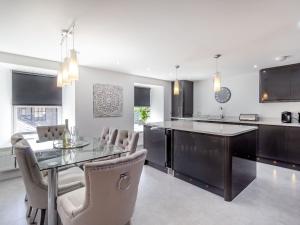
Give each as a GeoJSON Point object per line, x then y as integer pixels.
{"type": "Point", "coordinates": [127, 140]}
{"type": "Point", "coordinates": [109, 196]}
{"type": "Point", "coordinates": [49, 133]}
{"type": "Point", "coordinates": [14, 139]}
{"type": "Point", "coordinates": [108, 136]}
{"type": "Point", "coordinates": [36, 185]}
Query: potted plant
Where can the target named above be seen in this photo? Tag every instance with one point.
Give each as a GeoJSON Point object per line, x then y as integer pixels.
{"type": "Point", "coordinates": [144, 114]}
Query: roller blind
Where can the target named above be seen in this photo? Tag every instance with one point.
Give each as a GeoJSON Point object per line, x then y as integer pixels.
{"type": "Point", "coordinates": [35, 89]}
{"type": "Point", "coordinates": [141, 96]}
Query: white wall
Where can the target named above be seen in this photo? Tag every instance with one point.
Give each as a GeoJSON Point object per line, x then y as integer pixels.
{"type": "Point", "coordinates": [68, 104]}
{"type": "Point", "coordinates": [90, 126]}
{"type": "Point", "coordinates": [6, 107]}
{"type": "Point", "coordinates": [157, 104]}
{"type": "Point", "coordinates": [245, 98]}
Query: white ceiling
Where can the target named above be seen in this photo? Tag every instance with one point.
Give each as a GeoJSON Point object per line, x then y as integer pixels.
{"type": "Point", "coordinates": [148, 38]}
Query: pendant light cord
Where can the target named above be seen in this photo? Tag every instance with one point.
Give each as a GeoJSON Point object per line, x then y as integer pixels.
{"type": "Point", "coordinates": [177, 67]}
{"type": "Point", "coordinates": [73, 34]}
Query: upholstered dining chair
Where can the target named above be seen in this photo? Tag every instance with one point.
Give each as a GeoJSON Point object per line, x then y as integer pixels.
{"type": "Point", "coordinates": [109, 196]}
{"type": "Point", "coordinates": [49, 133]}
{"type": "Point", "coordinates": [14, 139]}
{"type": "Point", "coordinates": [127, 140]}
{"type": "Point", "coordinates": [36, 184]}
{"type": "Point", "coordinates": [108, 136]}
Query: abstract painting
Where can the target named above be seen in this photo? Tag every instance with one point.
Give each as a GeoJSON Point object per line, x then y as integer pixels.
{"type": "Point", "coordinates": [108, 100]}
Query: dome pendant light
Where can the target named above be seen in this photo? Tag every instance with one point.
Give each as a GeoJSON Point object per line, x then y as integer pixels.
{"type": "Point", "coordinates": [217, 77]}
{"type": "Point", "coordinates": [176, 88]}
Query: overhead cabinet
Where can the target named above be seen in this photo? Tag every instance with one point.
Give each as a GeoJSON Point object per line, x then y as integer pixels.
{"type": "Point", "coordinates": [182, 104]}
{"type": "Point", "coordinates": [279, 84]}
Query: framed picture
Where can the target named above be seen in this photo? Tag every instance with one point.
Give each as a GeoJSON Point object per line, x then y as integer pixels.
{"type": "Point", "coordinates": [107, 100]}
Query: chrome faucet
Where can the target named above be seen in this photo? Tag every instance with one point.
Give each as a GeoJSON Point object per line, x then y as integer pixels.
{"type": "Point", "coordinates": [221, 112]}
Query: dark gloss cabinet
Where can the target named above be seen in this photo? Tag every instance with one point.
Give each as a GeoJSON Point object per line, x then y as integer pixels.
{"type": "Point", "coordinates": [156, 142]}
{"type": "Point", "coordinates": [195, 155]}
{"type": "Point", "coordinates": [279, 143]}
{"type": "Point", "coordinates": [222, 165]}
{"type": "Point", "coordinates": [292, 137]}
{"type": "Point", "coordinates": [182, 104]}
{"type": "Point", "coordinates": [280, 84]}
{"type": "Point", "coordinates": [271, 143]}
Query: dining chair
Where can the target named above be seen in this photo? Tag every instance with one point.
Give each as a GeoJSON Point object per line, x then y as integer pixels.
{"type": "Point", "coordinates": [14, 139]}
{"type": "Point", "coordinates": [109, 195]}
{"type": "Point", "coordinates": [36, 185]}
{"type": "Point", "coordinates": [108, 136]}
{"type": "Point", "coordinates": [127, 140]}
{"type": "Point", "coordinates": [49, 133]}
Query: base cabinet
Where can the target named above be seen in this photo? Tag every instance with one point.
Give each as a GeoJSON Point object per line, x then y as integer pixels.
{"type": "Point", "coordinates": [279, 143]}
{"type": "Point", "coordinates": [155, 143]}
{"type": "Point", "coordinates": [196, 154]}
{"type": "Point", "coordinates": [292, 137]}
{"type": "Point", "coordinates": [271, 143]}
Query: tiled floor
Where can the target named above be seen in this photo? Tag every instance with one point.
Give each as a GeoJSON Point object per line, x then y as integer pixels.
{"type": "Point", "coordinates": [272, 199]}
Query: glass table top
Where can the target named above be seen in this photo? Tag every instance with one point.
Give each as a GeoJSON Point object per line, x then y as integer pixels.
{"type": "Point", "coordinates": [49, 157]}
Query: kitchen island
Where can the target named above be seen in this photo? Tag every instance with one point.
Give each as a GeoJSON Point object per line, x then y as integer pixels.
{"type": "Point", "coordinates": [217, 157]}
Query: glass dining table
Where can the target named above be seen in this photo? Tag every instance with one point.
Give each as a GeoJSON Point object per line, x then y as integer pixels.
{"type": "Point", "coordinates": [52, 158]}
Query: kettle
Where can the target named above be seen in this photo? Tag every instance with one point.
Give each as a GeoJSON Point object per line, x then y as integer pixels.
{"type": "Point", "coordinates": [286, 117]}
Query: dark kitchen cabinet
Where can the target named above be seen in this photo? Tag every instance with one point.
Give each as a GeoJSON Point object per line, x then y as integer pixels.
{"type": "Point", "coordinates": [155, 143]}
{"type": "Point", "coordinates": [272, 143]}
{"type": "Point", "coordinates": [199, 156]}
{"type": "Point", "coordinates": [280, 84]}
{"type": "Point", "coordinates": [293, 144]}
{"type": "Point", "coordinates": [182, 104]}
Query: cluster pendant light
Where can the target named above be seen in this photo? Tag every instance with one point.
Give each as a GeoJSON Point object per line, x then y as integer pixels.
{"type": "Point", "coordinates": [217, 77]}
{"type": "Point", "coordinates": [69, 67]}
{"type": "Point", "coordinates": [176, 88]}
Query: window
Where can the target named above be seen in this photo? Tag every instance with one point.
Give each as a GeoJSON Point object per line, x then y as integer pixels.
{"type": "Point", "coordinates": [27, 118]}
{"type": "Point", "coordinates": [36, 101]}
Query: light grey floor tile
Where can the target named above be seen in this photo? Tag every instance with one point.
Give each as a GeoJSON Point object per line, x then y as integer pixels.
{"type": "Point", "coordinates": [272, 199]}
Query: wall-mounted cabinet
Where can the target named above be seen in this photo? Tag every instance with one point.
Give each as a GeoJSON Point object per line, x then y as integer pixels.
{"type": "Point", "coordinates": [280, 84]}
{"type": "Point", "coordinates": [182, 104]}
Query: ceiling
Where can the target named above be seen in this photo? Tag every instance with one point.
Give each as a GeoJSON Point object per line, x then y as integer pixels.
{"type": "Point", "coordinates": [148, 38]}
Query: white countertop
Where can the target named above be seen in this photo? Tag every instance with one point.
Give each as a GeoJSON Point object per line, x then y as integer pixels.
{"type": "Point", "coordinates": [270, 121]}
{"type": "Point", "coordinates": [206, 128]}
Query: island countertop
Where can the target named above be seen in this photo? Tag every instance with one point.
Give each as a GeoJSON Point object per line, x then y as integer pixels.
{"type": "Point", "coordinates": [226, 130]}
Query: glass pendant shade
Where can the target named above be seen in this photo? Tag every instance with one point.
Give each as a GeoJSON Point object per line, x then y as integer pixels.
{"type": "Point", "coordinates": [73, 66]}
{"type": "Point", "coordinates": [217, 82]}
{"type": "Point", "coordinates": [65, 72]}
{"type": "Point", "coordinates": [176, 87]}
{"type": "Point", "coordinates": [59, 77]}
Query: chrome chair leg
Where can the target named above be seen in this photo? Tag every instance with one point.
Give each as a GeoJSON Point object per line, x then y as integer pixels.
{"type": "Point", "coordinates": [29, 212]}
{"type": "Point", "coordinates": [43, 214]}
{"type": "Point", "coordinates": [33, 221]}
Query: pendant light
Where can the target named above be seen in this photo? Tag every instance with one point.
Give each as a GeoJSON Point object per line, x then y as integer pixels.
{"type": "Point", "coordinates": [73, 62]}
{"type": "Point", "coordinates": [217, 77]}
{"type": "Point", "coordinates": [59, 72]}
{"type": "Point", "coordinates": [176, 88]}
{"type": "Point", "coordinates": [65, 67]}
{"type": "Point", "coordinates": [69, 67]}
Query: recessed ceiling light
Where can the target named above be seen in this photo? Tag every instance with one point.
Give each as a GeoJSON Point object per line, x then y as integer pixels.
{"type": "Point", "coordinates": [282, 58]}
{"type": "Point", "coordinates": [255, 66]}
